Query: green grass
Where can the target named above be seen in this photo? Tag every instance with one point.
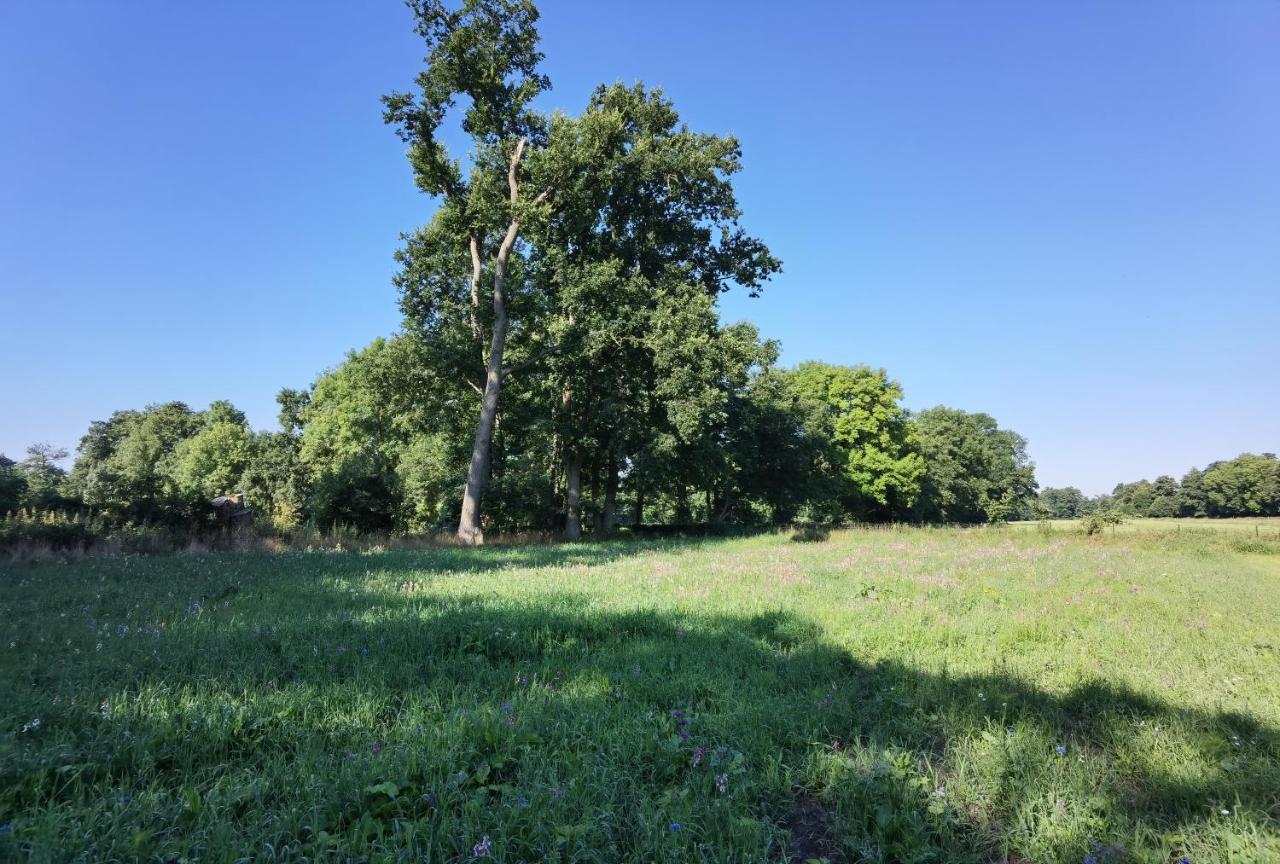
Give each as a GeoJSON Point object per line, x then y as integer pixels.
{"type": "Point", "coordinates": [893, 696]}
{"type": "Point", "coordinates": [1262, 527]}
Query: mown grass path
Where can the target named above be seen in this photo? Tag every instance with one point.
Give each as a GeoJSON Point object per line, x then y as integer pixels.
{"type": "Point", "coordinates": [908, 695]}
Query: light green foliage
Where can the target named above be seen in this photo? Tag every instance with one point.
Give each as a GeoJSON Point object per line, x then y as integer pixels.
{"type": "Point", "coordinates": [1096, 521]}
{"type": "Point", "coordinates": [213, 462]}
{"type": "Point", "coordinates": [974, 470]}
{"type": "Point", "coordinates": [888, 695]}
{"type": "Point", "coordinates": [125, 464]}
{"type": "Point", "coordinates": [870, 426]}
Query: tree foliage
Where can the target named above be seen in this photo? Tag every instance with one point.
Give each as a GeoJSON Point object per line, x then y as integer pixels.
{"type": "Point", "coordinates": [974, 470]}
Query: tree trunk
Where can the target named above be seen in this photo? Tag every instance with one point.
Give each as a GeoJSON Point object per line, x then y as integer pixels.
{"type": "Point", "coordinates": [610, 497]}
{"type": "Point", "coordinates": [637, 517]}
{"type": "Point", "coordinates": [597, 514]}
{"type": "Point", "coordinates": [573, 497]}
{"type": "Point", "coordinates": [469, 529]}
{"type": "Point", "coordinates": [682, 505]}
{"type": "Point", "coordinates": [469, 526]}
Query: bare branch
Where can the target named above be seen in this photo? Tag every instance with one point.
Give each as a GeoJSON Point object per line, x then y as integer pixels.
{"type": "Point", "coordinates": [512, 184]}
{"type": "Point", "coordinates": [475, 290]}
{"type": "Point", "coordinates": [544, 195]}
{"type": "Point", "coordinates": [528, 361]}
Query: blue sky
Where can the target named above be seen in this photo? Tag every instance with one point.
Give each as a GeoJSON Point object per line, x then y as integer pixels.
{"type": "Point", "coordinates": [1064, 214]}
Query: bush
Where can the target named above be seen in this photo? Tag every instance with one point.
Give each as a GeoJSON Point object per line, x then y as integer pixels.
{"type": "Point", "coordinates": [52, 530]}
{"type": "Point", "coordinates": [1095, 522]}
{"type": "Point", "coordinates": [811, 532]}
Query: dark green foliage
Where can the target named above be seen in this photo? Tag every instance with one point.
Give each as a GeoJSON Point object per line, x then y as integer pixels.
{"type": "Point", "coordinates": [49, 529]}
{"type": "Point", "coordinates": [1066, 503]}
{"type": "Point", "coordinates": [974, 470]}
{"type": "Point", "coordinates": [1248, 485]}
{"type": "Point", "coordinates": [13, 486]}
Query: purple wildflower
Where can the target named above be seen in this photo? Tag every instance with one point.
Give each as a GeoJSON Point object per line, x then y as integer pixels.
{"type": "Point", "coordinates": [1061, 750]}
{"type": "Point", "coordinates": [482, 849]}
{"type": "Point", "coordinates": [674, 826]}
{"type": "Point", "coordinates": [377, 748]}
{"type": "Point", "coordinates": [722, 783]}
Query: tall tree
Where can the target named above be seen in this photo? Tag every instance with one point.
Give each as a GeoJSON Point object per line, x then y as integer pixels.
{"type": "Point", "coordinates": [13, 486]}
{"type": "Point", "coordinates": [487, 52]}
{"type": "Point", "coordinates": [1065, 503]}
{"type": "Point", "coordinates": [43, 476]}
{"type": "Point", "coordinates": [974, 470]}
{"type": "Point", "coordinates": [869, 426]}
{"type": "Point", "coordinates": [644, 238]}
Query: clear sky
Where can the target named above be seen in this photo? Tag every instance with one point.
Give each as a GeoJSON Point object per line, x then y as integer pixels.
{"type": "Point", "coordinates": [1064, 214]}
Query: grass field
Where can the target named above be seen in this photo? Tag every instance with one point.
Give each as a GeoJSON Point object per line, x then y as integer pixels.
{"type": "Point", "coordinates": [1261, 527]}
{"type": "Point", "coordinates": [893, 696]}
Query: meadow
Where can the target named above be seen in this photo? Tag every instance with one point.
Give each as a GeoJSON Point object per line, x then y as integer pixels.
{"type": "Point", "coordinates": [909, 695]}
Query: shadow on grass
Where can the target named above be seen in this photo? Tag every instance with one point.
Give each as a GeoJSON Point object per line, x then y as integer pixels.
{"type": "Point", "coordinates": [329, 724]}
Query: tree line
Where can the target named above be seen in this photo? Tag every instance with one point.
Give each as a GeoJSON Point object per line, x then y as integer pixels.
{"type": "Point", "coordinates": [562, 365]}
{"type": "Point", "coordinates": [1248, 485]}
{"type": "Point", "coordinates": [362, 450]}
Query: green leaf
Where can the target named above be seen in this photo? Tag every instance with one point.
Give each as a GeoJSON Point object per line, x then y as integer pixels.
{"type": "Point", "coordinates": [391, 790]}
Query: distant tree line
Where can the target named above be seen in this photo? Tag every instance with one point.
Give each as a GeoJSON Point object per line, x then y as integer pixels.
{"type": "Point", "coordinates": [1248, 485]}
{"type": "Point", "coordinates": [742, 442]}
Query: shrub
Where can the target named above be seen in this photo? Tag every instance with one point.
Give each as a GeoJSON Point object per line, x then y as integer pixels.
{"type": "Point", "coordinates": [1095, 522]}
{"type": "Point", "coordinates": [811, 532]}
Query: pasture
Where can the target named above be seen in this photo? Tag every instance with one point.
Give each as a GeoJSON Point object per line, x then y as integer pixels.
{"type": "Point", "coordinates": [901, 695]}
{"type": "Point", "coordinates": [1258, 527]}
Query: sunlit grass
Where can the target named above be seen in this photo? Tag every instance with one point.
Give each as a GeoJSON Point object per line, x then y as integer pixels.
{"type": "Point", "coordinates": [882, 696]}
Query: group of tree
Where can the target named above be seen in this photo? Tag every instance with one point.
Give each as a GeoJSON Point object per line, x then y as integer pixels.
{"type": "Point", "coordinates": [1248, 485]}
{"type": "Point", "coordinates": [562, 365]}
{"type": "Point", "coordinates": [379, 445]}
